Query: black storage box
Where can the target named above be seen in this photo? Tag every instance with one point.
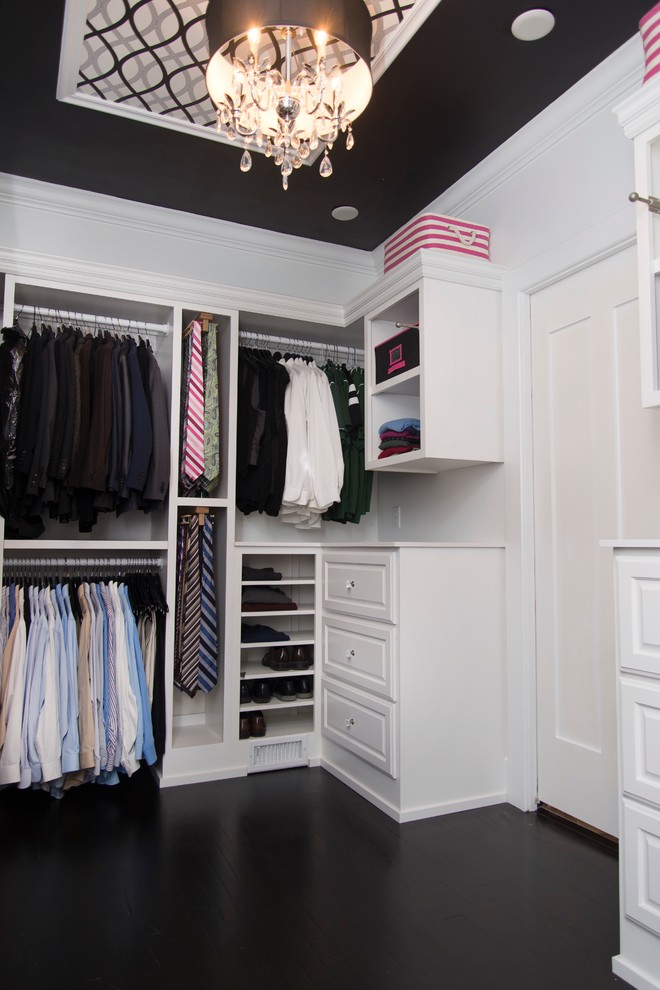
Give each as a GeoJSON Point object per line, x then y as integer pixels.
{"type": "Point", "coordinates": [397, 355]}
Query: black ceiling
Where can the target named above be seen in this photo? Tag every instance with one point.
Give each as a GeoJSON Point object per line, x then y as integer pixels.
{"type": "Point", "coordinates": [479, 86]}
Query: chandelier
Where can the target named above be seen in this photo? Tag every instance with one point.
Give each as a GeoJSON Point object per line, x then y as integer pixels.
{"type": "Point", "coordinates": [288, 76]}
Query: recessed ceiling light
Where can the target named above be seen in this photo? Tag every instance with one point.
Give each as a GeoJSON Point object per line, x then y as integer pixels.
{"type": "Point", "coordinates": [344, 213]}
{"type": "Point", "coordinates": [533, 25]}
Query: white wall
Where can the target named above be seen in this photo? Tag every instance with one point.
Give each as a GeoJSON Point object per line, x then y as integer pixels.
{"type": "Point", "coordinates": [555, 197]}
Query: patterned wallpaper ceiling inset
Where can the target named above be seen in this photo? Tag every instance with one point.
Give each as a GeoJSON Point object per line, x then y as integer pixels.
{"type": "Point", "coordinates": [148, 57]}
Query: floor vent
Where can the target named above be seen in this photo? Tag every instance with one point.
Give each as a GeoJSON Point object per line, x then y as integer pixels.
{"type": "Point", "coordinates": [290, 752]}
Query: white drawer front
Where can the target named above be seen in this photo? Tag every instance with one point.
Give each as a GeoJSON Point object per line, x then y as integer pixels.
{"type": "Point", "coordinates": [639, 612]}
{"type": "Point", "coordinates": [364, 725]}
{"type": "Point", "coordinates": [642, 857]}
{"type": "Point", "coordinates": [361, 653]}
{"type": "Point", "coordinates": [640, 724]}
{"type": "Point", "coordinates": [359, 584]}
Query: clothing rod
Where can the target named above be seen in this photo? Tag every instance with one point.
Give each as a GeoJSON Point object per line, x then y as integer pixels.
{"type": "Point", "coordinates": [81, 562]}
{"type": "Point", "coordinates": [295, 343]}
{"type": "Point", "coordinates": [54, 314]}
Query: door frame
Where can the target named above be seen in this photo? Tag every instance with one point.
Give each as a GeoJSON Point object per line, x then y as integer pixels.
{"type": "Point", "coordinates": [605, 239]}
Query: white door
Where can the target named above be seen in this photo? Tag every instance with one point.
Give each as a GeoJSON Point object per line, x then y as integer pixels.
{"type": "Point", "coordinates": [586, 412]}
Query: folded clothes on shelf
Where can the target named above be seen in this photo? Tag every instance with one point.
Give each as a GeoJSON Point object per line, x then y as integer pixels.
{"type": "Point", "coordinates": [263, 595]}
{"type": "Point", "coordinates": [396, 450]}
{"type": "Point", "coordinates": [399, 425]}
{"type": "Point", "coordinates": [399, 436]}
{"type": "Point", "coordinates": [260, 574]}
{"type": "Point", "coordinates": [261, 634]}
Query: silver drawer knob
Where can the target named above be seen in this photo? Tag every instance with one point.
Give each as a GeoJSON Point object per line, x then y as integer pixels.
{"type": "Point", "coordinates": [349, 722]}
{"type": "Point", "coordinates": [350, 654]}
{"type": "Point", "coordinates": [350, 585]}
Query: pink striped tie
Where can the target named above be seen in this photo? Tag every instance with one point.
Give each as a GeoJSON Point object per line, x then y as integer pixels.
{"type": "Point", "coordinates": [194, 439]}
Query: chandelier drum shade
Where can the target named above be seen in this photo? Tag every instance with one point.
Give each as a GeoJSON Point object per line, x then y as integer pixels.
{"type": "Point", "coordinates": [288, 76]}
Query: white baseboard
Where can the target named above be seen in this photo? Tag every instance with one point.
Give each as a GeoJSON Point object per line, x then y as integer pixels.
{"type": "Point", "coordinates": [174, 780]}
{"type": "Point", "coordinates": [451, 807]}
{"type": "Point", "coordinates": [414, 814]}
{"type": "Point", "coordinates": [360, 789]}
{"type": "Point", "coordinates": [633, 976]}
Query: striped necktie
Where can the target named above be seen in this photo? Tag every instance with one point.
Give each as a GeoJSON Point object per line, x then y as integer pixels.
{"type": "Point", "coordinates": [211, 409]}
{"type": "Point", "coordinates": [194, 424]}
{"type": "Point", "coordinates": [189, 670]}
{"type": "Point", "coordinates": [208, 640]}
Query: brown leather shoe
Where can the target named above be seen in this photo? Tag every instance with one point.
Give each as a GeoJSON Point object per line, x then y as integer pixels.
{"type": "Point", "coordinates": [257, 724]}
{"type": "Point", "coordinates": [300, 658]}
{"type": "Point", "coordinates": [277, 658]}
{"type": "Point", "coordinates": [244, 726]}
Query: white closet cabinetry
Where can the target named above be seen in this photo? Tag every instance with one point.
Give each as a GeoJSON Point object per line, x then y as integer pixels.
{"type": "Point", "coordinates": [199, 727]}
{"type": "Point", "coordinates": [413, 675]}
{"type": "Point", "coordinates": [455, 391]}
{"type": "Point", "coordinates": [290, 724]}
{"type": "Point", "coordinates": [639, 116]}
{"type": "Point", "coordinates": [637, 581]}
{"type": "Point", "coordinates": [195, 728]}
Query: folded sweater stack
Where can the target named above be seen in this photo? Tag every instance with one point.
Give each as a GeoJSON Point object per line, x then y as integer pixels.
{"type": "Point", "coordinates": [399, 436]}
{"type": "Point", "coordinates": [266, 599]}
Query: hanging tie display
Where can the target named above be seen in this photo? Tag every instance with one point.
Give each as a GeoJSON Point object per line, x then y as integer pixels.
{"type": "Point", "coordinates": [196, 633]}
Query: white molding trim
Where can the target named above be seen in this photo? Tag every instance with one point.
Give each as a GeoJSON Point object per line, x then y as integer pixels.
{"type": "Point", "coordinates": [84, 205]}
{"type": "Point", "coordinates": [170, 289]}
{"type": "Point", "coordinates": [639, 111]}
{"type": "Point", "coordinates": [632, 975]}
{"type": "Point", "coordinates": [412, 22]}
{"type": "Point", "coordinates": [451, 807]}
{"type": "Point", "coordinates": [615, 77]}
{"type": "Point", "coordinates": [427, 263]}
{"type": "Point", "coordinates": [365, 792]}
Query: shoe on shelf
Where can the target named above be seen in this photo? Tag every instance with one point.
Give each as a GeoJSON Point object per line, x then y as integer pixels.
{"type": "Point", "coordinates": [246, 697]}
{"type": "Point", "coordinates": [285, 689]}
{"type": "Point", "coordinates": [260, 692]}
{"type": "Point", "coordinates": [300, 659]}
{"type": "Point", "coordinates": [257, 724]}
{"type": "Point", "coordinates": [244, 726]}
{"type": "Point", "coordinates": [304, 687]}
{"type": "Point", "coordinates": [277, 658]}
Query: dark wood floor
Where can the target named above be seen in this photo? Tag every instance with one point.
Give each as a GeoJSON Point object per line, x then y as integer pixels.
{"type": "Point", "coordinates": [289, 880]}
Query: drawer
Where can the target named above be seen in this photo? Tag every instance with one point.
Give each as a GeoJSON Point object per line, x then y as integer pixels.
{"type": "Point", "coordinates": [360, 584]}
{"type": "Point", "coordinates": [360, 723]}
{"type": "Point", "coordinates": [641, 828]}
{"type": "Point", "coordinates": [640, 734]}
{"type": "Point", "coordinates": [361, 653]}
{"type": "Point", "coordinates": [638, 589]}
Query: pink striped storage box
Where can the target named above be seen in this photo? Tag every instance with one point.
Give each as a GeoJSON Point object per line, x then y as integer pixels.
{"type": "Point", "coordinates": [649, 28]}
{"type": "Point", "coordinates": [440, 233]}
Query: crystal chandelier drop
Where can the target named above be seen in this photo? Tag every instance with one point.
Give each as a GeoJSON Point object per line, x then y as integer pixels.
{"type": "Point", "coordinates": [288, 76]}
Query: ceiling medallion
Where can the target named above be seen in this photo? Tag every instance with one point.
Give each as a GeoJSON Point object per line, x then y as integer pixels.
{"type": "Point", "coordinates": [288, 75]}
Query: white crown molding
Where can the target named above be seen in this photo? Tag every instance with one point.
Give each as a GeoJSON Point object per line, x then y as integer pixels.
{"type": "Point", "coordinates": [639, 112]}
{"type": "Point", "coordinates": [82, 204]}
{"type": "Point", "coordinates": [439, 265]}
{"type": "Point", "coordinates": [409, 26]}
{"type": "Point", "coordinates": [169, 290]}
{"type": "Point", "coordinates": [614, 78]}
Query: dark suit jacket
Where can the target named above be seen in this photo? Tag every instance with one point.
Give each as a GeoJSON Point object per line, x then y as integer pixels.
{"type": "Point", "coordinates": [158, 475]}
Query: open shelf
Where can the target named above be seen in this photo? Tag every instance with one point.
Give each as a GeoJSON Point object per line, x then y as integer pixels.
{"type": "Point", "coordinates": [286, 721]}
{"type": "Point", "coordinates": [274, 705]}
{"type": "Point", "coordinates": [254, 670]}
{"type": "Point", "coordinates": [406, 384]}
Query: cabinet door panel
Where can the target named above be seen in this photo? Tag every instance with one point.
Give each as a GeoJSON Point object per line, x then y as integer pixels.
{"type": "Point", "coordinates": [641, 828]}
{"type": "Point", "coordinates": [639, 612]}
{"type": "Point", "coordinates": [359, 584]}
{"type": "Point", "coordinates": [361, 653]}
{"type": "Point", "coordinates": [640, 728]}
{"type": "Point", "coordinates": [361, 724]}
